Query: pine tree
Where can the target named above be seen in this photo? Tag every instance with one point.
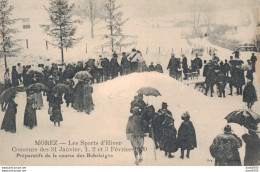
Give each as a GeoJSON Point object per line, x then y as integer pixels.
{"type": "Point", "coordinates": [9, 45]}
{"type": "Point", "coordinates": [114, 24]}
{"type": "Point", "coordinates": [62, 28]}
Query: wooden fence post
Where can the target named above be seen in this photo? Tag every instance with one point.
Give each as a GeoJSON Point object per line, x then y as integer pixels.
{"type": "Point", "coordinates": [27, 43]}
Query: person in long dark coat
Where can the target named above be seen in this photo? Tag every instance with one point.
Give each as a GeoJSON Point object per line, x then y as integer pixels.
{"type": "Point", "coordinates": [50, 84]}
{"type": "Point", "coordinates": [168, 136]}
{"type": "Point", "coordinates": [206, 67]}
{"type": "Point", "coordinates": [252, 140]}
{"type": "Point", "coordinates": [69, 96]}
{"type": "Point", "coordinates": [249, 94]}
{"type": "Point", "coordinates": [88, 100]}
{"type": "Point", "coordinates": [30, 119]}
{"type": "Point", "coordinates": [225, 148]}
{"type": "Point", "coordinates": [9, 121]}
{"type": "Point", "coordinates": [105, 65]}
{"type": "Point", "coordinates": [239, 79]}
{"type": "Point", "coordinates": [184, 66]}
{"type": "Point", "coordinates": [78, 97]}
{"type": "Point", "coordinates": [15, 77]}
{"type": "Point", "coordinates": [125, 64]}
{"type": "Point", "coordinates": [253, 60]}
{"type": "Point", "coordinates": [114, 66]}
{"type": "Point", "coordinates": [173, 66]}
{"type": "Point", "coordinates": [55, 103]}
{"type": "Point", "coordinates": [186, 136]}
{"type": "Point", "coordinates": [210, 81]}
{"type": "Point", "coordinates": [221, 81]}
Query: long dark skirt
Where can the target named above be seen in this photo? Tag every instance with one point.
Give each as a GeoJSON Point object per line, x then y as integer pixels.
{"type": "Point", "coordinates": [9, 122]}
{"type": "Point", "coordinates": [30, 119]}
{"type": "Point", "coordinates": [56, 114]}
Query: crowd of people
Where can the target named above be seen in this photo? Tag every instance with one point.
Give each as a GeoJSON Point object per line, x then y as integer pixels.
{"type": "Point", "coordinates": [145, 119]}
{"type": "Point", "coordinates": [160, 127]}
{"type": "Point", "coordinates": [80, 96]}
{"type": "Point", "coordinates": [233, 72]}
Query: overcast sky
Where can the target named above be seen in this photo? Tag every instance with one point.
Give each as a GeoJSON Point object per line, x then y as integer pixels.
{"type": "Point", "coordinates": [152, 8]}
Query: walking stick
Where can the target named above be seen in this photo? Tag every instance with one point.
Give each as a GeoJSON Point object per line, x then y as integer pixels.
{"type": "Point", "coordinates": [154, 147]}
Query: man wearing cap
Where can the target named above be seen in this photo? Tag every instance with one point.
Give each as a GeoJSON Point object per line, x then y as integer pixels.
{"type": "Point", "coordinates": [164, 110]}
{"type": "Point", "coordinates": [252, 140]}
{"type": "Point", "coordinates": [135, 133]}
{"type": "Point", "coordinates": [225, 148]}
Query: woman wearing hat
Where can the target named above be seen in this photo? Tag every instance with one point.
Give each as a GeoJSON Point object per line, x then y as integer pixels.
{"type": "Point", "coordinates": [225, 148]}
{"type": "Point", "coordinates": [252, 140]}
{"type": "Point", "coordinates": [9, 121]}
{"type": "Point", "coordinates": [186, 135]}
{"type": "Point", "coordinates": [30, 119]}
{"type": "Point", "coordinates": [168, 136]}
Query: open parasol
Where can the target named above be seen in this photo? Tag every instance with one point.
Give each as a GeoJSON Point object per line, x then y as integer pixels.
{"type": "Point", "coordinates": [149, 91]}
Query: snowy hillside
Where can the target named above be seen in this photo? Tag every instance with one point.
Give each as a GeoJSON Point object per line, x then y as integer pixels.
{"type": "Point", "coordinates": [108, 121]}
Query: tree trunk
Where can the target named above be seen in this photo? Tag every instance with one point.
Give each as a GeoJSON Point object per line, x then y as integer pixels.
{"type": "Point", "coordinates": [4, 51]}
{"type": "Point", "coordinates": [61, 46]}
{"type": "Point", "coordinates": [62, 55]}
{"type": "Point", "coordinates": [92, 30]}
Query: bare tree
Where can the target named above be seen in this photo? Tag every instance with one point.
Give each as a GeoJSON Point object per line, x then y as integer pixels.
{"type": "Point", "coordinates": [209, 15]}
{"type": "Point", "coordinates": [91, 10]}
{"type": "Point", "coordinates": [196, 16]}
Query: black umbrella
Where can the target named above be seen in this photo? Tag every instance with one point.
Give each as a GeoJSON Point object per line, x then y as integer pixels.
{"type": "Point", "coordinates": [7, 95]}
{"type": "Point", "coordinates": [37, 87]}
{"type": "Point", "coordinates": [243, 117]}
{"type": "Point", "coordinates": [62, 88]}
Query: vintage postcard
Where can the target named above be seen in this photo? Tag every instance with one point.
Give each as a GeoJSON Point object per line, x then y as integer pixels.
{"type": "Point", "coordinates": [129, 83]}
